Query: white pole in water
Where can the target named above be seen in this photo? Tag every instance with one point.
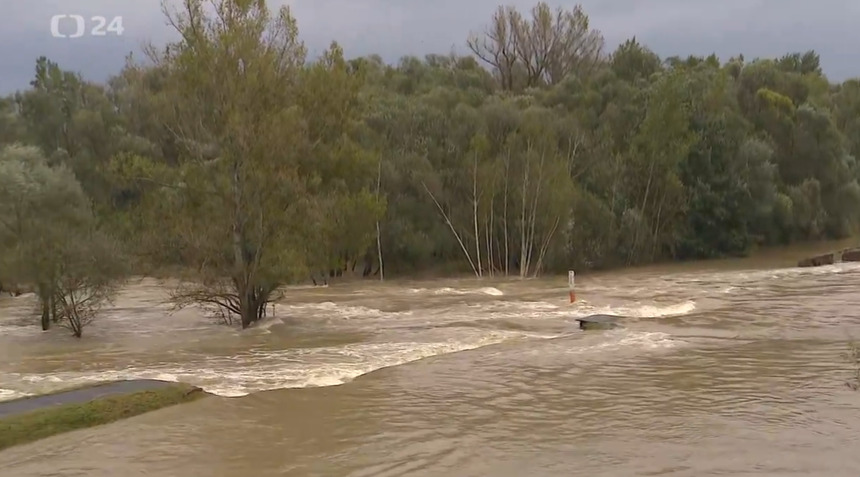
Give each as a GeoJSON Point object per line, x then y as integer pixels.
{"type": "Point", "coordinates": [571, 279]}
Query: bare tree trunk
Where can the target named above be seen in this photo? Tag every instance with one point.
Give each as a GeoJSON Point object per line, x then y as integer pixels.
{"type": "Point", "coordinates": [72, 314]}
{"type": "Point", "coordinates": [635, 247]}
{"type": "Point", "coordinates": [378, 235]}
{"type": "Point", "coordinates": [505, 212]}
{"type": "Point", "coordinates": [572, 147]}
{"type": "Point", "coordinates": [545, 246]}
{"type": "Point", "coordinates": [55, 316]}
{"type": "Point", "coordinates": [475, 216]}
{"type": "Point", "coordinates": [615, 176]}
{"type": "Point", "coordinates": [46, 313]}
{"type": "Point", "coordinates": [488, 235]}
{"type": "Point", "coordinates": [657, 226]}
{"type": "Point", "coordinates": [523, 200]}
{"type": "Point", "coordinates": [241, 278]}
{"type": "Point", "coordinates": [533, 219]}
{"type": "Point", "coordinates": [47, 303]}
{"type": "Point", "coordinates": [379, 253]}
{"type": "Point", "coordinates": [453, 230]}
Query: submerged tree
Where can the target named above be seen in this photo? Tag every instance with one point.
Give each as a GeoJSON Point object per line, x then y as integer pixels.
{"type": "Point", "coordinates": [250, 202]}
{"type": "Point", "coordinates": [40, 205]}
{"type": "Point", "coordinates": [51, 241]}
{"type": "Point", "coordinates": [89, 273]}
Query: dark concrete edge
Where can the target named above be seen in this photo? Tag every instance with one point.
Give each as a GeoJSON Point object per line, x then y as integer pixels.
{"type": "Point", "coordinates": [93, 384]}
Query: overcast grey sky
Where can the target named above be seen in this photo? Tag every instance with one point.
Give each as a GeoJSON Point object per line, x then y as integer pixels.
{"type": "Point", "coordinates": [394, 28]}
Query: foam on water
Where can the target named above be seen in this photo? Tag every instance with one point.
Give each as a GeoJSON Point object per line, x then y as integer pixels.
{"type": "Point", "coordinates": [751, 276]}
{"type": "Point", "coordinates": [264, 325]}
{"type": "Point", "coordinates": [637, 339]}
{"type": "Point", "coordinates": [637, 310]}
{"type": "Point", "coordinates": [532, 305]}
{"type": "Point", "coordinates": [9, 394]}
{"type": "Point", "coordinates": [616, 343]}
{"type": "Point", "coordinates": [16, 330]}
{"type": "Point", "coordinates": [265, 369]}
{"type": "Point", "coordinates": [541, 309]}
{"type": "Point", "coordinates": [328, 308]}
{"type": "Point", "coordinates": [658, 311]}
{"type": "Point", "coordinates": [491, 291]}
{"type": "Point", "coordinates": [242, 375]}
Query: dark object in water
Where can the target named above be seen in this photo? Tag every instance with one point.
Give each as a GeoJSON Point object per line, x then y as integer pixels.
{"type": "Point", "coordinates": [818, 260]}
{"type": "Point", "coordinates": [851, 255]}
{"type": "Point", "coordinates": [598, 322]}
{"type": "Point", "coordinates": [846, 255]}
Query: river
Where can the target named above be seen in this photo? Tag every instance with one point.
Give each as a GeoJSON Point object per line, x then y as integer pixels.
{"type": "Point", "coordinates": [722, 368]}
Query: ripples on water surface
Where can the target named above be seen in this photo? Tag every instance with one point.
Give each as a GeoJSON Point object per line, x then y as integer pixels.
{"type": "Point", "coordinates": [718, 372]}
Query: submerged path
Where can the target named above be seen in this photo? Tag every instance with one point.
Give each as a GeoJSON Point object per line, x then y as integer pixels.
{"type": "Point", "coordinates": [77, 396]}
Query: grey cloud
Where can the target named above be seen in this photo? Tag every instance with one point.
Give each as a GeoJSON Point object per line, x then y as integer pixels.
{"type": "Point", "coordinates": [410, 27]}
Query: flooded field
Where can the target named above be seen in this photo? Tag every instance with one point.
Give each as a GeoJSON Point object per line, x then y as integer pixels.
{"type": "Point", "coordinates": [719, 369]}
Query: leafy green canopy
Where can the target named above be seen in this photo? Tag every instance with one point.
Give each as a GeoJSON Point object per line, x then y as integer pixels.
{"type": "Point", "coordinates": [232, 155]}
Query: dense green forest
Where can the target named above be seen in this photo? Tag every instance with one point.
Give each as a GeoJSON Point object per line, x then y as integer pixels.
{"type": "Point", "coordinates": [232, 156]}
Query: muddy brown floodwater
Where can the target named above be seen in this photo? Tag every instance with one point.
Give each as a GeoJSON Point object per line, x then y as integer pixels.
{"type": "Point", "coordinates": [723, 368]}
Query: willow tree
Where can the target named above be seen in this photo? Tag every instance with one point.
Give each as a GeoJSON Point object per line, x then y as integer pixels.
{"type": "Point", "coordinates": [656, 194]}
{"type": "Point", "coordinates": [39, 205]}
{"type": "Point", "coordinates": [239, 207]}
{"type": "Point", "coordinates": [49, 240]}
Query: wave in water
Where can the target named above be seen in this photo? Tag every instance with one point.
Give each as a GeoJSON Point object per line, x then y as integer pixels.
{"type": "Point", "coordinates": [541, 309]}
{"type": "Point", "coordinates": [298, 368]}
{"type": "Point", "coordinates": [647, 340]}
{"type": "Point", "coordinates": [259, 370]}
{"type": "Point", "coordinates": [329, 309]}
{"type": "Point", "coordinates": [9, 394]}
{"type": "Point", "coordinates": [655, 311]}
{"type": "Point", "coordinates": [577, 350]}
{"type": "Point", "coordinates": [241, 375]}
{"type": "Point", "coordinates": [491, 291]}
{"type": "Point", "coordinates": [7, 330]}
{"type": "Point", "coordinates": [757, 276]}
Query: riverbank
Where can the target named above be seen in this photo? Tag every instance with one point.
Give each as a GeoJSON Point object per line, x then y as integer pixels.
{"type": "Point", "coordinates": [776, 256]}
{"type": "Point", "coordinates": [36, 417]}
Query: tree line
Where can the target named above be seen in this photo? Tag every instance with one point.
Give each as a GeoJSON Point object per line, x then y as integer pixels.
{"type": "Point", "coordinates": [235, 161]}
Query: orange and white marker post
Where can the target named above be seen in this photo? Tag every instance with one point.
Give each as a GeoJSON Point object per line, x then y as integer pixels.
{"type": "Point", "coordinates": [571, 284]}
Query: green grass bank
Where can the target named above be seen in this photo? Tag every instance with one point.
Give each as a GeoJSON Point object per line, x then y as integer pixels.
{"type": "Point", "coordinates": [32, 418]}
